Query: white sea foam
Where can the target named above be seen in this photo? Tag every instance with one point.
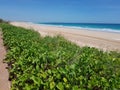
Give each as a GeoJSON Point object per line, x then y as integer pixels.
{"type": "Point", "coordinates": [87, 28]}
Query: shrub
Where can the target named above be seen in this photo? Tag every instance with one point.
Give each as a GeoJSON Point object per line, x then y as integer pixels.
{"type": "Point", "coordinates": [37, 63]}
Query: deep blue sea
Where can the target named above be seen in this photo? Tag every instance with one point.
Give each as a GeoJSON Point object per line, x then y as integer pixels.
{"type": "Point", "coordinates": [89, 26]}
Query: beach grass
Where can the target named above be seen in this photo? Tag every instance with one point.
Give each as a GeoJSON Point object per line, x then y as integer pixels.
{"type": "Point", "coordinates": [43, 63]}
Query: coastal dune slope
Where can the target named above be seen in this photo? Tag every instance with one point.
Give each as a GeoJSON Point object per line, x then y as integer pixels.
{"type": "Point", "coordinates": [106, 41]}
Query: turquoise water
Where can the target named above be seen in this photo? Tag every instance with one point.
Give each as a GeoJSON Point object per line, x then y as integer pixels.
{"type": "Point", "coordinates": [89, 26]}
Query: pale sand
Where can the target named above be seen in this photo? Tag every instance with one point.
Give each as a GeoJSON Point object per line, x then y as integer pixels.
{"type": "Point", "coordinates": [106, 41]}
{"type": "Point", "coordinates": [4, 75]}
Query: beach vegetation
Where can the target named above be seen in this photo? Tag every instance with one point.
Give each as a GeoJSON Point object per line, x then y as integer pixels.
{"type": "Point", "coordinates": [54, 63]}
{"type": "Point", "coordinates": [3, 21]}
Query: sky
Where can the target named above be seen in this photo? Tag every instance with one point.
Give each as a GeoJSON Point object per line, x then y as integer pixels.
{"type": "Point", "coordinates": [83, 11]}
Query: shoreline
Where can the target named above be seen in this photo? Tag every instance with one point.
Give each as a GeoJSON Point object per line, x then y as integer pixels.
{"type": "Point", "coordinates": [106, 41]}
{"type": "Point", "coordinates": [83, 28]}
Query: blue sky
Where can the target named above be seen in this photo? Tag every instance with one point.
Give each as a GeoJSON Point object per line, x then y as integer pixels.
{"type": "Point", "coordinates": [94, 11]}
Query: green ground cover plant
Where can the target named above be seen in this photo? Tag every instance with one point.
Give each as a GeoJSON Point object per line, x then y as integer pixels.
{"type": "Point", "coordinates": [53, 63]}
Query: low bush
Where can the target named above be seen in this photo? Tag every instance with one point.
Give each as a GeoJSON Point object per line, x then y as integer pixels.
{"type": "Point", "coordinates": [37, 63]}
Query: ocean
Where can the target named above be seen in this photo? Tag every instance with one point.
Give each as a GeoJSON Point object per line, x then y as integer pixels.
{"type": "Point", "coordinates": [89, 26]}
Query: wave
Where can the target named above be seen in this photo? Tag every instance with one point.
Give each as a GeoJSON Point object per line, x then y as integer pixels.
{"type": "Point", "coordinates": [86, 28]}
{"type": "Point", "coordinates": [95, 29]}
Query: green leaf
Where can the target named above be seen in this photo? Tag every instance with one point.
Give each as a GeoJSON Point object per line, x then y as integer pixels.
{"type": "Point", "coordinates": [75, 88]}
{"type": "Point", "coordinates": [36, 80]}
{"type": "Point", "coordinates": [72, 66]}
{"type": "Point", "coordinates": [49, 71]}
{"type": "Point", "coordinates": [44, 75]}
{"type": "Point", "coordinates": [27, 87]}
{"type": "Point", "coordinates": [60, 86]}
{"type": "Point", "coordinates": [65, 80]}
{"type": "Point", "coordinates": [52, 85]}
{"type": "Point", "coordinates": [58, 76]}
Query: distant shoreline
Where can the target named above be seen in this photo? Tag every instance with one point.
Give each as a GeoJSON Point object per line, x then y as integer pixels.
{"type": "Point", "coordinates": [88, 26]}
{"type": "Point", "coordinates": [106, 41]}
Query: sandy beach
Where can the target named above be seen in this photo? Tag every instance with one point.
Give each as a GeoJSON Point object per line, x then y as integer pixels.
{"type": "Point", "coordinates": [106, 41]}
